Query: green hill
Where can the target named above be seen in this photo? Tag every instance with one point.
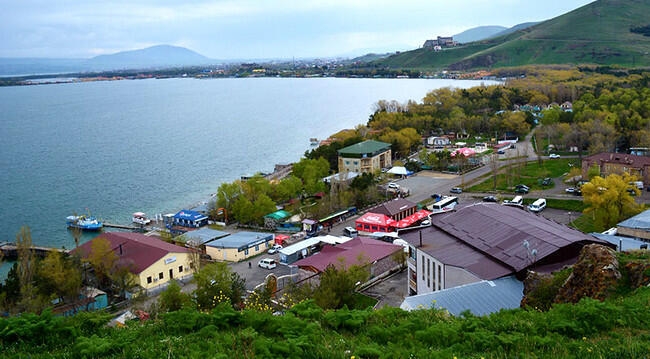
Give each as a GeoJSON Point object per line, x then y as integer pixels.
{"type": "Point", "coordinates": [605, 32]}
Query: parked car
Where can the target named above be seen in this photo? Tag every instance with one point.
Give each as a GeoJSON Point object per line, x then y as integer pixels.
{"type": "Point", "coordinates": [547, 181]}
{"type": "Point", "coordinates": [501, 152]}
{"type": "Point", "coordinates": [553, 156]}
{"type": "Point", "coordinates": [490, 199]}
{"type": "Point", "coordinates": [522, 188]}
{"type": "Point", "coordinates": [274, 249]}
{"type": "Point", "coordinates": [426, 222]}
{"type": "Point", "coordinates": [570, 190]}
{"type": "Point", "coordinates": [393, 185]}
{"type": "Point", "coordinates": [268, 263]}
{"type": "Point", "coordinates": [456, 190]}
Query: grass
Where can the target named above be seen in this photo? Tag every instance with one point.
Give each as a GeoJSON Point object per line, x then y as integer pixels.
{"type": "Point", "coordinates": [584, 224]}
{"type": "Point", "coordinates": [530, 174]}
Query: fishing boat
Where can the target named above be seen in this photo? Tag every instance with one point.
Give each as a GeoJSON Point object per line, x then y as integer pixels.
{"type": "Point", "coordinates": [313, 141]}
{"type": "Point", "coordinates": [86, 223]}
{"type": "Point", "coordinates": [141, 218]}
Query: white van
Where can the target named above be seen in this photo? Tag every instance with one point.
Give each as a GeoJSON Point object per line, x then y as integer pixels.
{"type": "Point", "coordinates": [537, 206]}
{"type": "Point", "coordinates": [350, 232]}
{"type": "Point", "coordinates": [517, 201]}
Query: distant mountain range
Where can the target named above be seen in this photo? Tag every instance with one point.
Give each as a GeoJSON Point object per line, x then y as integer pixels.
{"type": "Point", "coordinates": [604, 32]}
{"type": "Point", "coordinates": [155, 57]}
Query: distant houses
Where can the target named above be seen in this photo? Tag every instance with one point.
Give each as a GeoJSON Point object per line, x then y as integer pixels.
{"type": "Point", "coordinates": [619, 163]}
{"type": "Point", "coordinates": [365, 157]}
{"type": "Point", "coordinates": [439, 43]}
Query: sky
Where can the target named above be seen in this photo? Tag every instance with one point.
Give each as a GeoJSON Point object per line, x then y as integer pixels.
{"type": "Point", "coordinates": [251, 29]}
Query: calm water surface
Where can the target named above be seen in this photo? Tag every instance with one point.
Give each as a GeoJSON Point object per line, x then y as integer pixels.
{"type": "Point", "coordinates": [117, 147]}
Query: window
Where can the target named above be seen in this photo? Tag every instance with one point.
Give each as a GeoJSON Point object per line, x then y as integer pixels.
{"type": "Point", "coordinates": [160, 275]}
{"type": "Point", "coordinates": [428, 273]}
{"type": "Point", "coordinates": [422, 264]}
{"type": "Point", "coordinates": [439, 277]}
{"type": "Point", "coordinates": [257, 248]}
{"type": "Point", "coordinates": [149, 280]}
{"type": "Point", "coordinates": [246, 251]}
{"type": "Point", "coordinates": [180, 269]}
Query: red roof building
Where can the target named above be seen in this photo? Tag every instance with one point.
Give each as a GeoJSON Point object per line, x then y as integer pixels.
{"type": "Point", "coordinates": [153, 261]}
{"type": "Point", "coordinates": [618, 163]}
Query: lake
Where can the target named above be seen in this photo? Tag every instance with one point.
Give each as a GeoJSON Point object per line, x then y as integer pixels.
{"type": "Point", "coordinates": [160, 145]}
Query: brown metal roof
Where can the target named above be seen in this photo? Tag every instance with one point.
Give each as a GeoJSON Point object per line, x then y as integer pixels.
{"type": "Point", "coordinates": [621, 158]}
{"type": "Point", "coordinates": [487, 238]}
{"type": "Point", "coordinates": [393, 207]}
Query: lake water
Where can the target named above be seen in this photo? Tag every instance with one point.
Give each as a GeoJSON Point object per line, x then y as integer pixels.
{"type": "Point", "coordinates": [117, 147]}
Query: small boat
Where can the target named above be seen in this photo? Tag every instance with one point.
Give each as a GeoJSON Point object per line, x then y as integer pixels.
{"type": "Point", "coordinates": [313, 141]}
{"type": "Point", "coordinates": [141, 218]}
{"type": "Point", "coordinates": [86, 223]}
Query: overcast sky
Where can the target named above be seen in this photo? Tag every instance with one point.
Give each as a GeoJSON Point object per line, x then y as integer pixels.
{"type": "Point", "coordinates": [251, 29]}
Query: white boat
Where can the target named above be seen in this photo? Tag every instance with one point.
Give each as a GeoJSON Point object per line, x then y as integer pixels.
{"type": "Point", "coordinates": [86, 223]}
{"type": "Point", "coordinates": [141, 218]}
{"type": "Point", "coordinates": [313, 141]}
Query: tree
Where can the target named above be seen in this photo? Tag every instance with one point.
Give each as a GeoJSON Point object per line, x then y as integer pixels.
{"type": "Point", "coordinates": [312, 172]}
{"type": "Point", "coordinates": [60, 277]}
{"type": "Point", "coordinates": [609, 201]}
{"type": "Point", "coordinates": [122, 278]}
{"type": "Point", "coordinates": [227, 194]}
{"type": "Point", "coordinates": [172, 299]}
{"type": "Point", "coordinates": [27, 268]}
{"type": "Point", "coordinates": [102, 258]}
{"type": "Point", "coordinates": [338, 284]}
{"type": "Point", "coordinates": [217, 283]}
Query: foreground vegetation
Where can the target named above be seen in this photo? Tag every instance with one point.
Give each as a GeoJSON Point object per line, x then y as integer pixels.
{"type": "Point", "coordinates": [616, 328]}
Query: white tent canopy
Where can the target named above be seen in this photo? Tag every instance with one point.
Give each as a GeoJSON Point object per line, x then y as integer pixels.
{"type": "Point", "coordinates": [398, 170]}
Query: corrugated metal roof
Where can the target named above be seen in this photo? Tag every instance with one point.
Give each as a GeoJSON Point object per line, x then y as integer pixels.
{"type": "Point", "coordinates": [393, 207]}
{"type": "Point", "coordinates": [481, 298]}
{"type": "Point", "coordinates": [366, 250]}
{"type": "Point", "coordinates": [203, 235]}
{"type": "Point", "coordinates": [488, 239]}
{"type": "Point", "coordinates": [621, 243]}
{"type": "Point", "coordinates": [241, 240]}
{"type": "Point", "coordinates": [640, 221]}
{"type": "Point", "coordinates": [369, 146]}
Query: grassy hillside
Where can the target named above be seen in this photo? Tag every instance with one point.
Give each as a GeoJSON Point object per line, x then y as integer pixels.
{"type": "Point", "coordinates": [598, 33]}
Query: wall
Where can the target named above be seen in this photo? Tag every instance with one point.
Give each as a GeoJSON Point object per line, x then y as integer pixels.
{"type": "Point", "coordinates": [172, 261]}
{"type": "Point", "coordinates": [234, 255]}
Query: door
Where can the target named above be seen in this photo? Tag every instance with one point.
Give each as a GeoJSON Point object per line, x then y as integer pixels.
{"type": "Point", "coordinates": [171, 274]}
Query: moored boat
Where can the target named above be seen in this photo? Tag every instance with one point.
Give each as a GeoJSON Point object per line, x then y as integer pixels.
{"type": "Point", "coordinates": [313, 141]}
{"type": "Point", "coordinates": [141, 218]}
{"type": "Point", "coordinates": [86, 223]}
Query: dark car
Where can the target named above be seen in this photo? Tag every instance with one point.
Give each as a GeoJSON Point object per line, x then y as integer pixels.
{"type": "Point", "coordinates": [546, 181]}
{"type": "Point", "coordinates": [490, 199]}
{"type": "Point", "coordinates": [521, 188]}
{"type": "Point", "coordinates": [456, 190]}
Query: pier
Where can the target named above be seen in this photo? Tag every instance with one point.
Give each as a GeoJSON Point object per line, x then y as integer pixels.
{"type": "Point", "coordinates": [123, 226]}
{"type": "Point", "coordinates": [10, 250]}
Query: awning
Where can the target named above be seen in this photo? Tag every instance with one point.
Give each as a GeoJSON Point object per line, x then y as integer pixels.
{"type": "Point", "coordinates": [415, 217]}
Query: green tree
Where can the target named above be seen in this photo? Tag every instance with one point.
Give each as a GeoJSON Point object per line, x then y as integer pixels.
{"type": "Point", "coordinates": [227, 194]}
{"type": "Point", "coordinates": [102, 259]}
{"type": "Point", "coordinates": [27, 270]}
{"type": "Point", "coordinates": [60, 277]}
{"type": "Point", "coordinates": [312, 172]}
{"type": "Point", "coordinates": [217, 283]}
{"type": "Point", "coordinates": [609, 201]}
{"type": "Point", "coordinates": [172, 299]}
{"type": "Point", "coordinates": [338, 285]}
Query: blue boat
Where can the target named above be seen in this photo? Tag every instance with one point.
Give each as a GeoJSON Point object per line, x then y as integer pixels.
{"type": "Point", "coordinates": [86, 223]}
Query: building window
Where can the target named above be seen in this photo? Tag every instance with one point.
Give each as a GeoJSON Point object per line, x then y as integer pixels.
{"type": "Point", "coordinates": [180, 269]}
{"type": "Point", "coordinates": [160, 275]}
{"type": "Point", "coordinates": [257, 248]}
{"type": "Point", "coordinates": [439, 277]}
{"type": "Point", "coordinates": [149, 280]}
{"type": "Point", "coordinates": [422, 268]}
{"type": "Point", "coordinates": [246, 251]}
{"type": "Point", "coordinates": [428, 273]}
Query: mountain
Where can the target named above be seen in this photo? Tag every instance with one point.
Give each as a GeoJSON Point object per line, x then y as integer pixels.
{"type": "Point", "coordinates": [155, 57]}
{"type": "Point", "coordinates": [516, 28]}
{"type": "Point", "coordinates": [478, 33]}
{"type": "Point", "coordinates": [160, 56]}
{"type": "Point", "coordinates": [604, 32]}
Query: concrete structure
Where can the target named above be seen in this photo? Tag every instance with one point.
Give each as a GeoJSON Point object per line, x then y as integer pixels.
{"type": "Point", "coordinates": [307, 247]}
{"type": "Point", "coordinates": [487, 241]}
{"type": "Point", "coordinates": [239, 246]}
{"type": "Point", "coordinates": [366, 156]}
{"type": "Point", "coordinates": [201, 236]}
{"type": "Point", "coordinates": [191, 219]}
{"type": "Point", "coordinates": [618, 163]}
{"type": "Point", "coordinates": [154, 262]}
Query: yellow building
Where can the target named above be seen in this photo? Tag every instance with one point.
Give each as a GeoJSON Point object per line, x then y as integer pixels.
{"type": "Point", "coordinates": [366, 156]}
{"type": "Point", "coordinates": [154, 262]}
{"type": "Point", "coordinates": [239, 246]}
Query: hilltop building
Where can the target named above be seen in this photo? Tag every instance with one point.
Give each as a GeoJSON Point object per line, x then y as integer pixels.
{"type": "Point", "coordinates": [366, 156]}
{"type": "Point", "coordinates": [618, 163]}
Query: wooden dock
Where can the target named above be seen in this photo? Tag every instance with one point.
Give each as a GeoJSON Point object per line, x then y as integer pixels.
{"type": "Point", "coordinates": [122, 226]}
{"type": "Point", "coordinates": [10, 250]}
